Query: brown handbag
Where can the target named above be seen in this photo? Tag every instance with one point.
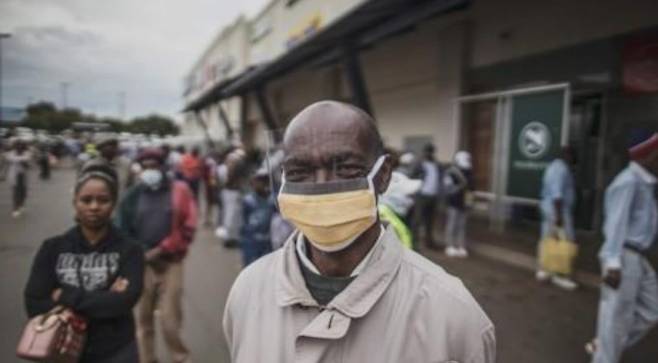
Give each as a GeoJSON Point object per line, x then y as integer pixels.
{"type": "Point", "coordinates": [55, 337]}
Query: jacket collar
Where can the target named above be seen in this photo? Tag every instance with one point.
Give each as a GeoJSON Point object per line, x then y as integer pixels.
{"type": "Point", "coordinates": [300, 248]}
{"type": "Point", "coordinates": [359, 296]}
{"type": "Point", "coordinates": [644, 174]}
{"type": "Point", "coordinates": [76, 235]}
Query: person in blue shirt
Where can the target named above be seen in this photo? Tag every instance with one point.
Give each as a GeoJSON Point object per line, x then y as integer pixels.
{"type": "Point", "coordinates": [257, 212]}
{"type": "Point", "coordinates": [558, 196]}
{"type": "Point", "coordinates": [628, 306]}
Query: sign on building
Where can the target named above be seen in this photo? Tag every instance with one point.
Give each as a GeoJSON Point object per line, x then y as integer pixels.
{"type": "Point", "coordinates": [526, 129]}
{"type": "Point", "coordinates": [535, 135]}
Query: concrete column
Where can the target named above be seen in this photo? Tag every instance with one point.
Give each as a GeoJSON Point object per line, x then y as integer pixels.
{"type": "Point", "coordinates": [355, 78]}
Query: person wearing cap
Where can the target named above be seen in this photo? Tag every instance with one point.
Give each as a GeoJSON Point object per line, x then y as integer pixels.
{"type": "Point", "coordinates": [558, 197]}
{"type": "Point", "coordinates": [108, 148]}
{"type": "Point", "coordinates": [458, 181]}
{"type": "Point", "coordinates": [106, 152]}
{"type": "Point", "coordinates": [110, 152]}
{"type": "Point", "coordinates": [407, 164]}
{"type": "Point", "coordinates": [396, 203]}
{"type": "Point", "coordinates": [257, 211]}
{"type": "Point", "coordinates": [343, 288]}
{"type": "Point", "coordinates": [628, 306]}
{"type": "Point", "coordinates": [161, 215]}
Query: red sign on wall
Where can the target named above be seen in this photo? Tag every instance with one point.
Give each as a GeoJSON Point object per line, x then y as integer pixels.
{"type": "Point", "coordinates": [640, 65]}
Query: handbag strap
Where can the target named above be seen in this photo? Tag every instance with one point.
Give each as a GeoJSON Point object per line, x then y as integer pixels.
{"type": "Point", "coordinates": [44, 318]}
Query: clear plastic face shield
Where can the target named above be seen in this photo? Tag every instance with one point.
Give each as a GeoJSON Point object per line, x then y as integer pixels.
{"type": "Point", "coordinates": [325, 184]}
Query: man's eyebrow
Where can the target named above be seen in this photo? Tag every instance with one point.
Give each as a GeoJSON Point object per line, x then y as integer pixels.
{"type": "Point", "coordinates": [346, 155]}
{"type": "Point", "coordinates": [333, 158]}
{"type": "Point", "coordinates": [296, 160]}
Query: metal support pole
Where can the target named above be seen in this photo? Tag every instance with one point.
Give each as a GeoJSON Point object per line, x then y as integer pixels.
{"type": "Point", "coordinates": [224, 119]}
{"type": "Point", "coordinates": [204, 127]}
{"type": "Point", "coordinates": [355, 78]}
{"type": "Point", "coordinates": [266, 112]}
{"type": "Point", "coordinates": [244, 114]}
{"type": "Point", "coordinates": [2, 36]}
{"type": "Point", "coordinates": [1, 113]}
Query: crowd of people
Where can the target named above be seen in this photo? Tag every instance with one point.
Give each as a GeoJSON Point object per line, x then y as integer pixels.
{"type": "Point", "coordinates": [329, 234]}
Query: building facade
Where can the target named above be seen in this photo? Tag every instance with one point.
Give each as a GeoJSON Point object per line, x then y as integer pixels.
{"type": "Point", "coordinates": [417, 65]}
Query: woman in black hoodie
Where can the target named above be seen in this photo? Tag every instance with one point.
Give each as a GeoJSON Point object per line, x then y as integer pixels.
{"type": "Point", "coordinates": [93, 270]}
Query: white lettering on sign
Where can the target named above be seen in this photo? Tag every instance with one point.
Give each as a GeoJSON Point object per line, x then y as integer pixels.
{"type": "Point", "coordinates": [530, 165]}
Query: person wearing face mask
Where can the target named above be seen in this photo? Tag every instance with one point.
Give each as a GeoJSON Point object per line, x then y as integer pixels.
{"type": "Point", "coordinates": [343, 288]}
{"type": "Point", "coordinates": [161, 215]}
{"type": "Point", "coordinates": [396, 203]}
{"type": "Point", "coordinates": [94, 270]}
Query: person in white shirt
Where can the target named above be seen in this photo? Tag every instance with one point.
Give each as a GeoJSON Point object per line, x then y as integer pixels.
{"type": "Point", "coordinates": [628, 307]}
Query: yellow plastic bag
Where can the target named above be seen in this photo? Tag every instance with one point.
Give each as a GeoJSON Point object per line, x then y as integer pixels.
{"type": "Point", "coordinates": [557, 254]}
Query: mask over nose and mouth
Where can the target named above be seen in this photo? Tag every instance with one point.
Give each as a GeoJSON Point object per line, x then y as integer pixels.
{"type": "Point", "coordinates": [334, 214]}
{"type": "Point", "coordinates": [152, 178]}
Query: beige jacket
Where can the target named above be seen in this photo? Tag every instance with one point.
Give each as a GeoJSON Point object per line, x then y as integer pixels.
{"type": "Point", "coordinates": [401, 308]}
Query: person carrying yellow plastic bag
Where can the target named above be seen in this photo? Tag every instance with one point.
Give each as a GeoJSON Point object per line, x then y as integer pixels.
{"type": "Point", "coordinates": [558, 196]}
{"type": "Point", "coordinates": [557, 254]}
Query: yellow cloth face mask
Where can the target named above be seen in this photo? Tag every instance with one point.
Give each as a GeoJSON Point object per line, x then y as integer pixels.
{"type": "Point", "coordinates": [331, 215]}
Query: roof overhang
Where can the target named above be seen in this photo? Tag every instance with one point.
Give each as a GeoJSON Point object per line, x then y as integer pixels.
{"type": "Point", "coordinates": [368, 23]}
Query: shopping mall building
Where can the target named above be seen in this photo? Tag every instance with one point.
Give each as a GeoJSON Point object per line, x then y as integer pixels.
{"type": "Point", "coordinates": [509, 80]}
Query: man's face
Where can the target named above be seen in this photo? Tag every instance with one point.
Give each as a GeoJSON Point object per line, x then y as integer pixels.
{"type": "Point", "coordinates": [109, 150]}
{"type": "Point", "coordinates": [321, 150]}
{"type": "Point", "coordinates": [318, 153]}
{"type": "Point", "coordinates": [261, 186]}
{"type": "Point", "coordinates": [429, 153]}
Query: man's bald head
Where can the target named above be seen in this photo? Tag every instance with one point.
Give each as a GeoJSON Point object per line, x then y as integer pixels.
{"type": "Point", "coordinates": [335, 120]}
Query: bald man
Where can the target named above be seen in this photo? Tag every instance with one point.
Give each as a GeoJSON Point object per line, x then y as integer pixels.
{"type": "Point", "coordinates": [343, 289]}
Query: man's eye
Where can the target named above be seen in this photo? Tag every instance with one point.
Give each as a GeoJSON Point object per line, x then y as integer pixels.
{"type": "Point", "coordinates": [350, 170]}
{"type": "Point", "coordinates": [295, 174]}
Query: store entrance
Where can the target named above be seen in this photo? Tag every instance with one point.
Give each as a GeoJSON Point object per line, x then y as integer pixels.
{"type": "Point", "coordinates": [586, 137]}
{"type": "Point", "coordinates": [479, 121]}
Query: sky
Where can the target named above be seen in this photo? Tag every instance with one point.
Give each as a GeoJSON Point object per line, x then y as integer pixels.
{"type": "Point", "coordinates": [109, 56]}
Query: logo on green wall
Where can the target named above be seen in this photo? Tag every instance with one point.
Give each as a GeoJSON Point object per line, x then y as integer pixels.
{"type": "Point", "coordinates": [535, 134]}
{"type": "Point", "coordinates": [534, 140]}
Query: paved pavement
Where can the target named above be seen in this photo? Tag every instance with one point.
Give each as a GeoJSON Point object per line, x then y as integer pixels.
{"type": "Point", "coordinates": [535, 323]}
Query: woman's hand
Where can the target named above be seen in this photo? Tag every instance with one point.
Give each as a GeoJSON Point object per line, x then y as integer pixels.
{"type": "Point", "coordinates": [56, 294]}
{"type": "Point", "coordinates": [153, 254]}
{"type": "Point", "coordinates": [120, 284]}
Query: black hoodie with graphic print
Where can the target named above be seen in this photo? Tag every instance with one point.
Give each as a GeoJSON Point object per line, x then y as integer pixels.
{"type": "Point", "coordinates": [109, 314]}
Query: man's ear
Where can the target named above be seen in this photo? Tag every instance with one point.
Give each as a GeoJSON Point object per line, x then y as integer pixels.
{"type": "Point", "coordinates": [384, 176]}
